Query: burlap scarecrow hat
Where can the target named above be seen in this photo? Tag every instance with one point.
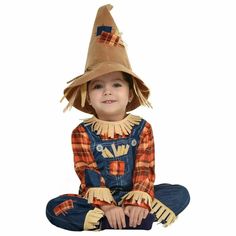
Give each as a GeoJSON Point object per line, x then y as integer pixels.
{"type": "Point", "coordinates": [106, 54]}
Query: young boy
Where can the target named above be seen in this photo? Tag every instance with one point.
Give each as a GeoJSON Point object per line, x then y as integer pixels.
{"type": "Point", "coordinates": [113, 150]}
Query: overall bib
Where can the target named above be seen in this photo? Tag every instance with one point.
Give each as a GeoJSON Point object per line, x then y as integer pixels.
{"type": "Point", "coordinates": [118, 169]}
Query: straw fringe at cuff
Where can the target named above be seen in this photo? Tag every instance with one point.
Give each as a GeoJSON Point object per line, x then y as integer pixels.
{"type": "Point", "coordinates": [92, 219]}
{"type": "Point", "coordinates": [102, 194]}
{"type": "Point", "coordinates": [138, 197]}
{"type": "Point", "coordinates": [163, 214]}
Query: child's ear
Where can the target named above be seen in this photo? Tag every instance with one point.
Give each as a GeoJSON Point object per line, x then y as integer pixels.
{"type": "Point", "coordinates": [131, 95]}
{"type": "Point", "coordinates": [88, 100]}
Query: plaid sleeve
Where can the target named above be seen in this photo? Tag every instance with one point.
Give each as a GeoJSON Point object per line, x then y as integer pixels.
{"type": "Point", "coordinates": [144, 173]}
{"type": "Point", "coordinates": [92, 183]}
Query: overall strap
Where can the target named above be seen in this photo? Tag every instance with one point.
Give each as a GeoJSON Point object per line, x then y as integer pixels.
{"type": "Point", "coordinates": [137, 130]}
{"type": "Point", "coordinates": [92, 135]}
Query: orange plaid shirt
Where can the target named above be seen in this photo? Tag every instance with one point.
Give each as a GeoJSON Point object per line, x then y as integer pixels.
{"type": "Point", "coordinates": [144, 171]}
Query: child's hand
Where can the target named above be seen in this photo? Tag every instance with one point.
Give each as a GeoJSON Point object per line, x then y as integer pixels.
{"type": "Point", "coordinates": [115, 216]}
{"type": "Point", "coordinates": [136, 214]}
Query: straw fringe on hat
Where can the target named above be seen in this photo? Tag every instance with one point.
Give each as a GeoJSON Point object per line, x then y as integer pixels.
{"type": "Point", "coordinates": [106, 54]}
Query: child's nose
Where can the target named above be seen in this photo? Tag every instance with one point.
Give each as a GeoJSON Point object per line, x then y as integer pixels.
{"type": "Point", "coordinates": [107, 91]}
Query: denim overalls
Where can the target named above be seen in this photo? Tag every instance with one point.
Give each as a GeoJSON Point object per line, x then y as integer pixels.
{"type": "Point", "coordinates": [117, 171]}
{"type": "Point", "coordinates": [119, 182]}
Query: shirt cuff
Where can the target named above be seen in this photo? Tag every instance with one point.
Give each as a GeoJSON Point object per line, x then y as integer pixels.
{"type": "Point", "coordinates": [143, 205]}
{"type": "Point", "coordinates": [98, 203]}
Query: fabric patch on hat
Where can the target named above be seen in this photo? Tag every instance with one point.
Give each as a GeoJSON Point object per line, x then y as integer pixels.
{"type": "Point", "coordinates": [117, 168]}
{"type": "Point", "coordinates": [104, 28]}
{"type": "Point", "coordinates": [63, 207]}
{"type": "Point", "coordinates": [110, 39]}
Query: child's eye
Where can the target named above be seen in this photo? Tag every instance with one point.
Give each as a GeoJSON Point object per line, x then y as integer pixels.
{"type": "Point", "coordinates": [117, 85]}
{"type": "Point", "coordinates": [97, 86]}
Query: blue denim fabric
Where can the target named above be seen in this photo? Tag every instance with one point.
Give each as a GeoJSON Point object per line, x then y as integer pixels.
{"type": "Point", "coordinates": [174, 196]}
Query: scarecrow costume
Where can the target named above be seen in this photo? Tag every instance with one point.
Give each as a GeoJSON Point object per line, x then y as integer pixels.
{"type": "Point", "coordinates": [113, 160]}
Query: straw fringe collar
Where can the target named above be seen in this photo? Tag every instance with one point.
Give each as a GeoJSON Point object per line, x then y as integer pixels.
{"type": "Point", "coordinates": [110, 128]}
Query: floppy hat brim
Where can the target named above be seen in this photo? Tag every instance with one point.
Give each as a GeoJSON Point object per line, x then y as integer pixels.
{"type": "Point", "coordinates": [99, 70]}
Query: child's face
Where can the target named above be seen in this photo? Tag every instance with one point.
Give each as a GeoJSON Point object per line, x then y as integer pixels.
{"type": "Point", "coordinates": [109, 95]}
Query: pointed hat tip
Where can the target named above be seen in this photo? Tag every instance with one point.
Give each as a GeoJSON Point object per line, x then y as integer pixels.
{"type": "Point", "coordinates": [107, 6]}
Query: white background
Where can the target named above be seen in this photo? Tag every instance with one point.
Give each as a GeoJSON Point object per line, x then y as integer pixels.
{"type": "Point", "coordinates": [184, 51]}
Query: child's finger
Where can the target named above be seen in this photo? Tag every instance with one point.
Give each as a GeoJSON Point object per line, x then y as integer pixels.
{"type": "Point", "coordinates": [134, 217]}
{"type": "Point", "coordinates": [113, 221]}
{"type": "Point", "coordinates": [119, 222]}
{"type": "Point", "coordinates": [123, 220]}
{"type": "Point", "coordinates": [140, 218]}
{"type": "Point", "coordinates": [110, 222]}
{"type": "Point", "coordinates": [126, 211]}
{"type": "Point", "coordinates": [131, 219]}
{"type": "Point", "coordinates": [145, 213]}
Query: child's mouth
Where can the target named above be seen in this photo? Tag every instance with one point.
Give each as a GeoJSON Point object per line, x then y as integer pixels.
{"type": "Point", "coordinates": [109, 101]}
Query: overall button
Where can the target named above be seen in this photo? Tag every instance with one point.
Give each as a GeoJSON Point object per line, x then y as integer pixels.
{"type": "Point", "coordinates": [99, 148]}
{"type": "Point", "coordinates": [134, 142]}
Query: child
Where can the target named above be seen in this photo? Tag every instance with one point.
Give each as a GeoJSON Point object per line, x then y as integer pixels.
{"type": "Point", "coordinates": [113, 150]}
